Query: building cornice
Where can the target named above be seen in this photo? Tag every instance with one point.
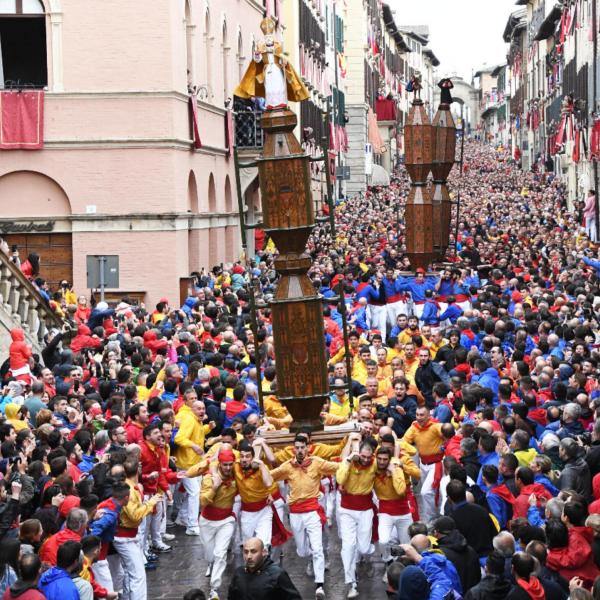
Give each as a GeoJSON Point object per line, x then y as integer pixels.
{"type": "Point", "coordinates": [173, 94]}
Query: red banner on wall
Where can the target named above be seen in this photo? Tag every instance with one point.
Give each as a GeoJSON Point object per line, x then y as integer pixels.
{"type": "Point", "coordinates": [22, 120]}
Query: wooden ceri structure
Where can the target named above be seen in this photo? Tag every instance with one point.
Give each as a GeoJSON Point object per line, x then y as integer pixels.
{"type": "Point", "coordinates": [288, 218]}
{"type": "Point", "coordinates": [429, 148]}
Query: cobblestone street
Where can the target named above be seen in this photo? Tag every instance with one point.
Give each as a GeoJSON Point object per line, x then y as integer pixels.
{"type": "Point", "coordinates": [184, 568]}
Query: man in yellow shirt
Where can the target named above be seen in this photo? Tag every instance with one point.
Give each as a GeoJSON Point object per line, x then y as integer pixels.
{"type": "Point", "coordinates": [411, 331]}
{"type": "Point", "coordinates": [126, 539]}
{"type": "Point", "coordinates": [394, 516]}
{"type": "Point", "coordinates": [437, 340]}
{"type": "Point", "coordinates": [325, 451]}
{"type": "Point", "coordinates": [427, 436]}
{"type": "Point", "coordinates": [356, 476]}
{"type": "Point", "coordinates": [303, 474]}
{"type": "Point", "coordinates": [339, 403]}
{"type": "Point", "coordinates": [277, 414]}
{"type": "Point", "coordinates": [257, 493]}
{"type": "Point", "coordinates": [410, 361]}
{"type": "Point", "coordinates": [190, 446]}
{"type": "Point", "coordinates": [217, 522]}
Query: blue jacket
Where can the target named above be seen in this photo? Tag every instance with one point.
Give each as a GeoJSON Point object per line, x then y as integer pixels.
{"type": "Point", "coordinates": [106, 526]}
{"type": "Point", "coordinates": [488, 379]}
{"type": "Point", "coordinates": [547, 484]}
{"type": "Point", "coordinates": [189, 304]}
{"type": "Point", "coordinates": [417, 290]}
{"type": "Point", "coordinates": [56, 584]}
{"type": "Point", "coordinates": [452, 313]}
{"type": "Point", "coordinates": [486, 459]}
{"type": "Point", "coordinates": [430, 313]}
{"type": "Point", "coordinates": [361, 318]}
{"type": "Point", "coordinates": [371, 294]}
{"type": "Point", "coordinates": [87, 463]}
{"type": "Point", "coordinates": [590, 262]}
{"type": "Point", "coordinates": [396, 331]}
{"type": "Point", "coordinates": [97, 317]}
{"type": "Point", "coordinates": [499, 508]}
{"type": "Point", "coordinates": [441, 574]}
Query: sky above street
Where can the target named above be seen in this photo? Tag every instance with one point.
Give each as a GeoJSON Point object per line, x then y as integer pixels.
{"type": "Point", "coordinates": [464, 34]}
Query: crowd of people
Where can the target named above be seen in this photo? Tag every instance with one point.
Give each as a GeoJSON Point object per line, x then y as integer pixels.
{"type": "Point", "coordinates": [473, 466]}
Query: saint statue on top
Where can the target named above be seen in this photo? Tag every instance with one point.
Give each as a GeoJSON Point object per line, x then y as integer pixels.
{"type": "Point", "coordinates": [270, 75]}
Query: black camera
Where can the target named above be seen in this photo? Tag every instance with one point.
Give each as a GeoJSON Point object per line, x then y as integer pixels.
{"type": "Point", "coordinates": [397, 551]}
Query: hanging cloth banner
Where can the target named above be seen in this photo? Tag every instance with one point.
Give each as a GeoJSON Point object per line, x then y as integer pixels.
{"type": "Point", "coordinates": [193, 104]}
{"type": "Point", "coordinates": [595, 141]}
{"type": "Point", "coordinates": [577, 146]}
{"type": "Point", "coordinates": [560, 134]}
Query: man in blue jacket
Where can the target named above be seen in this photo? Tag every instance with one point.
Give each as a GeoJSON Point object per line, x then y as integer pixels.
{"type": "Point", "coordinates": [486, 376]}
{"type": "Point", "coordinates": [56, 583]}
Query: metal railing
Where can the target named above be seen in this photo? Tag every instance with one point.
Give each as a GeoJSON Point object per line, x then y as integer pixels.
{"type": "Point", "coordinates": [248, 132]}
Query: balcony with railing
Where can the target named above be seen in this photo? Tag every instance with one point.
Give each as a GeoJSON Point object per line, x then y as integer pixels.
{"type": "Point", "coordinates": [248, 131]}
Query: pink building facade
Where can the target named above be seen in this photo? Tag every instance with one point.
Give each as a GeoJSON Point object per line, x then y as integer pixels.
{"type": "Point", "coordinates": [119, 174]}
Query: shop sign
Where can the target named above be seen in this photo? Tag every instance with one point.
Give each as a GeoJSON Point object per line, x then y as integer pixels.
{"type": "Point", "coordinates": [26, 227]}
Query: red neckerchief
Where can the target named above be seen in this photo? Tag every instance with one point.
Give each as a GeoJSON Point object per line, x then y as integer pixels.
{"type": "Point", "coordinates": [424, 427]}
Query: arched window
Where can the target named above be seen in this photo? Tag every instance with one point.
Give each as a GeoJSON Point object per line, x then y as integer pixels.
{"type": "Point", "coordinates": [23, 61]}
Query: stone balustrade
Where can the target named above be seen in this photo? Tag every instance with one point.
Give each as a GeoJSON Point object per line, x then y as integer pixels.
{"type": "Point", "coordinates": [21, 305]}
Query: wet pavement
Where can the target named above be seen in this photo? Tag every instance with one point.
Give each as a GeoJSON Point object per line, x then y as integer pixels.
{"type": "Point", "coordinates": [184, 568]}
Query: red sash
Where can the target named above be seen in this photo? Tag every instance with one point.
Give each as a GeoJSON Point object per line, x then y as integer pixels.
{"type": "Point", "coordinates": [279, 534]}
{"type": "Point", "coordinates": [395, 508]}
{"type": "Point", "coordinates": [254, 506]}
{"type": "Point", "coordinates": [126, 532]}
{"type": "Point", "coordinates": [431, 459]}
{"type": "Point", "coordinates": [357, 501]}
{"type": "Point", "coordinates": [309, 505]}
{"type": "Point", "coordinates": [412, 502]}
{"type": "Point", "coordinates": [214, 513]}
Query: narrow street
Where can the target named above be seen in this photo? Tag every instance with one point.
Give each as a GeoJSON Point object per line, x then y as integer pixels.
{"type": "Point", "coordinates": [184, 568]}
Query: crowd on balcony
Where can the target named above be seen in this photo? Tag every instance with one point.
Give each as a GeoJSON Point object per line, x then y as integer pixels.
{"type": "Point", "coordinates": [474, 392]}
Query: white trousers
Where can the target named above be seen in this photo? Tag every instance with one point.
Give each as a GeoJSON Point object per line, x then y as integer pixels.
{"type": "Point", "coordinates": [190, 507]}
{"type": "Point", "coordinates": [356, 529]}
{"type": "Point", "coordinates": [417, 310]}
{"type": "Point", "coordinates": [149, 532]}
{"type": "Point", "coordinates": [377, 318]}
{"type": "Point", "coordinates": [257, 524]}
{"type": "Point", "coordinates": [134, 573]}
{"type": "Point", "coordinates": [116, 571]}
{"type": "Point", "coordinates": [308, 534]}
{"type": "Point", "coordinates": [102, 574]}
{"type": "Point", "coordinates": [430, 510]}
{"type": "Point", "coordinates": [216, 536]}
{"type": "Point", "coordinates": [466, 305]}
{"type": "Point", "coordinates": [392, 529]}
{"type": "Point", "coordinates": [393, 309]}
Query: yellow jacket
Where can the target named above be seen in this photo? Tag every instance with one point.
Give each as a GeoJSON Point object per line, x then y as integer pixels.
{"type": "Point", "coordinates": [356, 479]}
{"type": "Point", "coordinates": [390, 487]}
{"type": "Point", "coordinates": [277, 414]}
{"type": "Point", "coordinates": [133, 513]}
{"type": "Point", "coordinates": [191, 431]}
{"type": "Point", "coordinates": [429, 441]}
